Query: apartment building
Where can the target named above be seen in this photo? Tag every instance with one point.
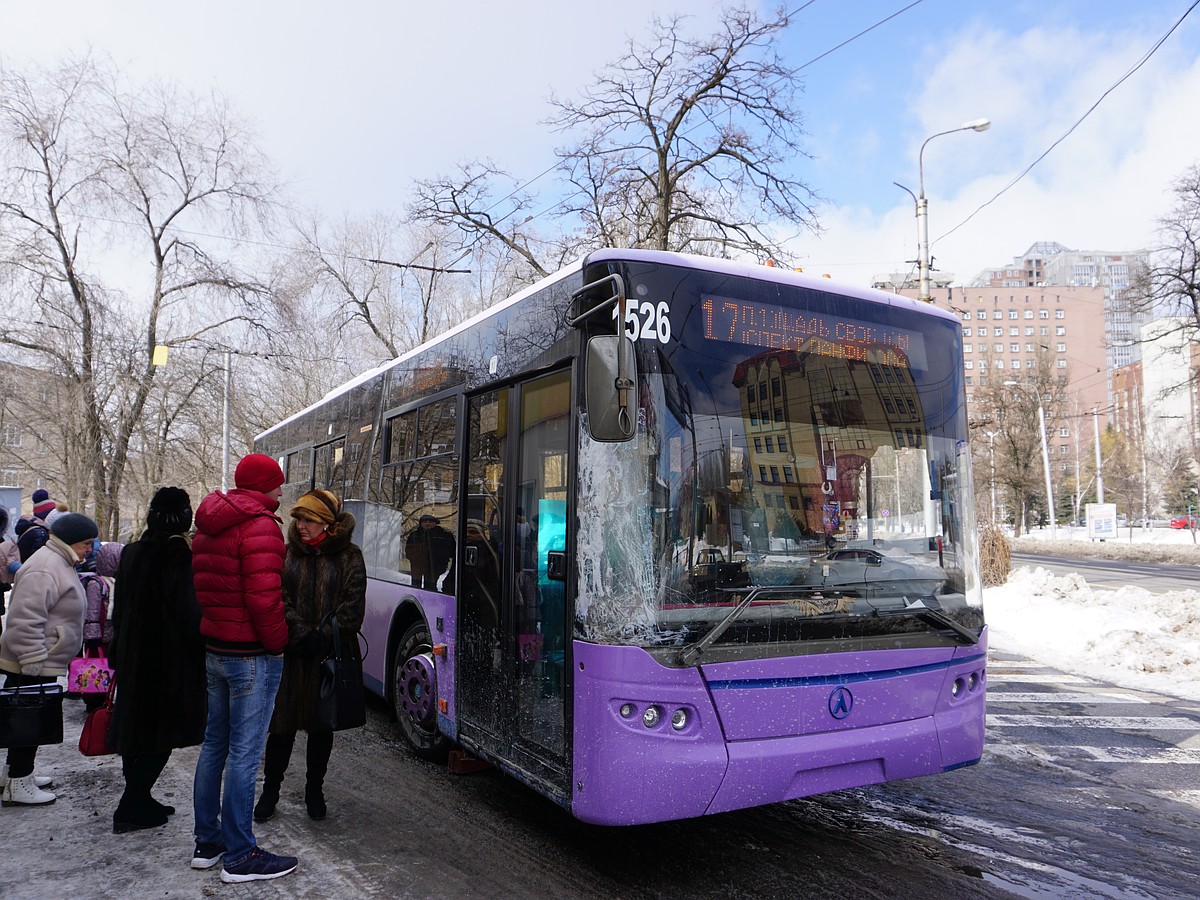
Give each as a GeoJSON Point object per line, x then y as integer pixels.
{"type": "Point", "coordinates": [1048, 263]}
{"type": "Point", "coordinates": [1004, 330]}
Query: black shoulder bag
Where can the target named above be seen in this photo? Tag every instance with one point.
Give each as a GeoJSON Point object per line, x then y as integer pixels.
{"type": "Point", "coordinates": [340, 703]}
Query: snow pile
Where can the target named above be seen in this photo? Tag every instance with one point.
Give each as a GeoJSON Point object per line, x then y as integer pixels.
{"type": "Point", "coordinates": [1129, 637]}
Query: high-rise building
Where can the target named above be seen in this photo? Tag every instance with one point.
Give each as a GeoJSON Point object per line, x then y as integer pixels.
{"type": "Point", "coordinates": [1047, 263]}
{"type": "Point", "coordinates": [1005, 330]}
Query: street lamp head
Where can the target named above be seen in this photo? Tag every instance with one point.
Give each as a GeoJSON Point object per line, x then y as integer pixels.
{"type": "Point", "coordinates": [923, 209]}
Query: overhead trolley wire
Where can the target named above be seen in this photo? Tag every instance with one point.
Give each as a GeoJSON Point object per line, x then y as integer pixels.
{"type": "Point", "coordinates": [1141, 62]}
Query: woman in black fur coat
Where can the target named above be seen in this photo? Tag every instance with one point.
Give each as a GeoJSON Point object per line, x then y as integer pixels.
{"type": "Point", "coordinates": [323, 572]}
{"type": "Point", "coordinates": [158, 654]}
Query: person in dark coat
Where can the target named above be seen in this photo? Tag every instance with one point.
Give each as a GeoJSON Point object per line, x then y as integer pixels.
{"type": "Point", "coordinates": [430, 551]}
{"type": "Point", "coordinates": [323, 572]}
{"type": "Point", "coordinates": [158, 656]}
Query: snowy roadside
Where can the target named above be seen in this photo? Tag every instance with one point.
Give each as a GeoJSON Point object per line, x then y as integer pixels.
{"type": "Point", "coordinates": [1129, 637]}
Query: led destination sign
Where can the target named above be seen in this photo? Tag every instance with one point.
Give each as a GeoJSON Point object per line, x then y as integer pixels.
{"type": "Point", "coordinates": [783, 328]}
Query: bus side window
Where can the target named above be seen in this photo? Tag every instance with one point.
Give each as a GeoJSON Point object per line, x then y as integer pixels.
{"type": "Point", "coordinates": [428, 497]}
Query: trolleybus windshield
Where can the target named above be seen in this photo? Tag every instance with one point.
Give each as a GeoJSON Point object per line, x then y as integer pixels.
{"type": "Point", "coordinates": [801, 469]}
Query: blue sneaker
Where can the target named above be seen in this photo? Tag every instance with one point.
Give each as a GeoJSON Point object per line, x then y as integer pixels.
{"type": "Point", "coordinates": [207, 855]}
{"type": "Point", "coordinates": [259, 866]}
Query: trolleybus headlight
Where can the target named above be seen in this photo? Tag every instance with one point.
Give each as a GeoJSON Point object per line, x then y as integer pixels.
{"type": "Point", "coordinates": [679, 719]}
{"type": "Point", "coordinates": [650, 716]}
{"type": "Point", "coordinates": [626, 710]}
{"type": "Point", "coordinates": [972, 681]}
{"type": "Point", "coordinates": [957, 687]}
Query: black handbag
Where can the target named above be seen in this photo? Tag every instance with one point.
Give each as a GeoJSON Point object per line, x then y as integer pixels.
{"type": "Point", "coordinates": [31, 715]}
{"type": "Point", "coordinates": [340, 702]}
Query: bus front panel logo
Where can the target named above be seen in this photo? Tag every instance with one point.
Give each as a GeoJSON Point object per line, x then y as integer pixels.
{"type": "Point", "coordinates": [841, 701]}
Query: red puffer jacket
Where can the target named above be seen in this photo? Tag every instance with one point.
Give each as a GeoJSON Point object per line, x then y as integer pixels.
{"type": "Point", "coordinates": [237, 558]}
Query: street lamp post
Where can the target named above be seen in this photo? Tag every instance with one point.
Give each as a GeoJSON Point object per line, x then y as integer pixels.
{"type": "Point", "coordinates": [1045, 453]}
{"type": "Point", "coordinates": [159, 358]}
{"type": "Point", "coordinates": [991, 436]}
{"type": "Point", "coordinates": [923, 205]}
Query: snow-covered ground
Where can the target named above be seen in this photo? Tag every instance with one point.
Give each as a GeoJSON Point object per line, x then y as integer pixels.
{"type": "Point", "coordinates": [1129, 637]}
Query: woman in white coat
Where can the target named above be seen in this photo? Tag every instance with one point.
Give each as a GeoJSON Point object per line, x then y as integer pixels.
{"type": "Point", "coordinates": [44, 632]}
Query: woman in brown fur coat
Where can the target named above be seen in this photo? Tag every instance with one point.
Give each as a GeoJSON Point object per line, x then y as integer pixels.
{"type": "Point", "coordinates": [323, 572]}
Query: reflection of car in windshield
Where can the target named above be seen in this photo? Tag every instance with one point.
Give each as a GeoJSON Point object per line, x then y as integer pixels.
{"type": "Point", "coordinates": [869, 573]}
{"type": "Point", "coordinates": [711, 573]}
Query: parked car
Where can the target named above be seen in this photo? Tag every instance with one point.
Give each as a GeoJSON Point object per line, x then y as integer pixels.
{"type": "Point", "coordinates": [712, 573]}
{"type": "Point", "coordinates": [869, 573]}
{"type": "Point", "coordinates": [1153, 522]}
{"type": "Point", "coordinates": [1184, 522]}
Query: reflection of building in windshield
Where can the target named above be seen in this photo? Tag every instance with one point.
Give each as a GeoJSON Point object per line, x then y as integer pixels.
{"type": "Point", "coordinates": [813, 422]}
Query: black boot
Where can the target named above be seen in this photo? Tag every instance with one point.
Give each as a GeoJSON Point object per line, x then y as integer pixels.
{"type": "Point", "coordinates": [265, 807]}
{"type": "Point", "coordinates": [135, 816]}
{"type": "Point", "coordinates": [314, 801]}
{"type": "Point", "coordinates": [136, 810]}
{"type": "Point", "coordinates": [275, 763]}
{"type": "Point", "coordinates": [320, 745]}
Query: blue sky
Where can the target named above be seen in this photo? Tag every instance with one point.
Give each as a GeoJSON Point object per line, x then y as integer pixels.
{"type": "Point", "coordinates": [354, 101]}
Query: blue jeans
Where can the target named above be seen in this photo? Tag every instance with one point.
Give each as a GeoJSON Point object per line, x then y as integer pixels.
{"type": "Point", "coordinates": [241, 698]}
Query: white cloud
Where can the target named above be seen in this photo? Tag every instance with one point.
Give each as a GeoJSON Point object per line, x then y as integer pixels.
{"type": "Point", "coordinates": [1102, 188]}
{"type": "Point", "coordinates": [355, 100]}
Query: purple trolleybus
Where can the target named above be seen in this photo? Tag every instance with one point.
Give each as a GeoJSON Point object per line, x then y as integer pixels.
{"type": "Point", "coordinates": [722, 555]}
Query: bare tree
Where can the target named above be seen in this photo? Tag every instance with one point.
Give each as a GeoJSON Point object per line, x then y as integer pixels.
{"type": "Point", "coordinates": [95, 172]}
{"type": "Point", "coordinates": [690, 143]}
{"type": "Point", "coordinates": [1124, 478]}
{"type": "Point", "coordinates": [359, 295]}
{"type": "Point", "coordinates": [682, 144]}
{"type": "Point", "coordinates": [1010, 412]}
{"type": "Point", "coordinates": [380, 279]}
{"type": "Point", "coordinates": [466, 202]}
{"type": "Point", "coordinates": [1170, 284]}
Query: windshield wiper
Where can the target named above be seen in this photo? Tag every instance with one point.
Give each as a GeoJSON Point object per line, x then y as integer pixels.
{"type": "Point", "coordinates": [689, 654]}
{"type": "Point", "coordinates": [934, 616]}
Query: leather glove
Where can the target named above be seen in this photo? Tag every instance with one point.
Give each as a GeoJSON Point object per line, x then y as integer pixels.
{"type": "Point", "coordinates": [34, 669]}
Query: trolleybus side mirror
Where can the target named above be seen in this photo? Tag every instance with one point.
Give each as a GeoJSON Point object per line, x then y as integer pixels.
{"type": "Point", "coordinates": [610, 387]}
{"type": "Point", "coordinates": [610, 370]}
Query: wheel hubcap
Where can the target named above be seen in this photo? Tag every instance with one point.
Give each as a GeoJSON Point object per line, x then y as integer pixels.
{"type": "Point", "coordinates": [416, 693]}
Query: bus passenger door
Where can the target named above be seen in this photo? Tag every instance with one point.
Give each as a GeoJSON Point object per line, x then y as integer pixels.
{"type": "Point", "coordinates": [539, 567]}
{"type": "Point", "coordinates": [513, 632]}
{"type": "Point", "coordinates": [484, 704]}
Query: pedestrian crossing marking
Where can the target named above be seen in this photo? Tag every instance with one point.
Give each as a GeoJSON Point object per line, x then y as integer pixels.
{"type": "Point", "coordinates": [1166, 756]}
{"type": "Point", "coordinates": [1016, 664]}
{"type": "Point", "coordinates": [1034, 678]}
{"type": "Point", "coordinates": [1190, 797]}
{"type": "Point", "coordinates": [1058, 697]}
{"type": "Point", "coordinates": [1134, 723]}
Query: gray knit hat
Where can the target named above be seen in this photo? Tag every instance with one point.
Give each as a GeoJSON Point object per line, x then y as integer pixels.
{"type": "Point", "coordinates": [71, 528]}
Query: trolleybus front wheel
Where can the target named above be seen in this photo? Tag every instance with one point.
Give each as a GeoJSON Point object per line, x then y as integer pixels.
{"type": "Point", "coordinates": [414, 695]}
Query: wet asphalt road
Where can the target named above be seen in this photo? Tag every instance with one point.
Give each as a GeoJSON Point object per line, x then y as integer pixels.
{"type": "Point", "coordinates": [1085, 790]}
